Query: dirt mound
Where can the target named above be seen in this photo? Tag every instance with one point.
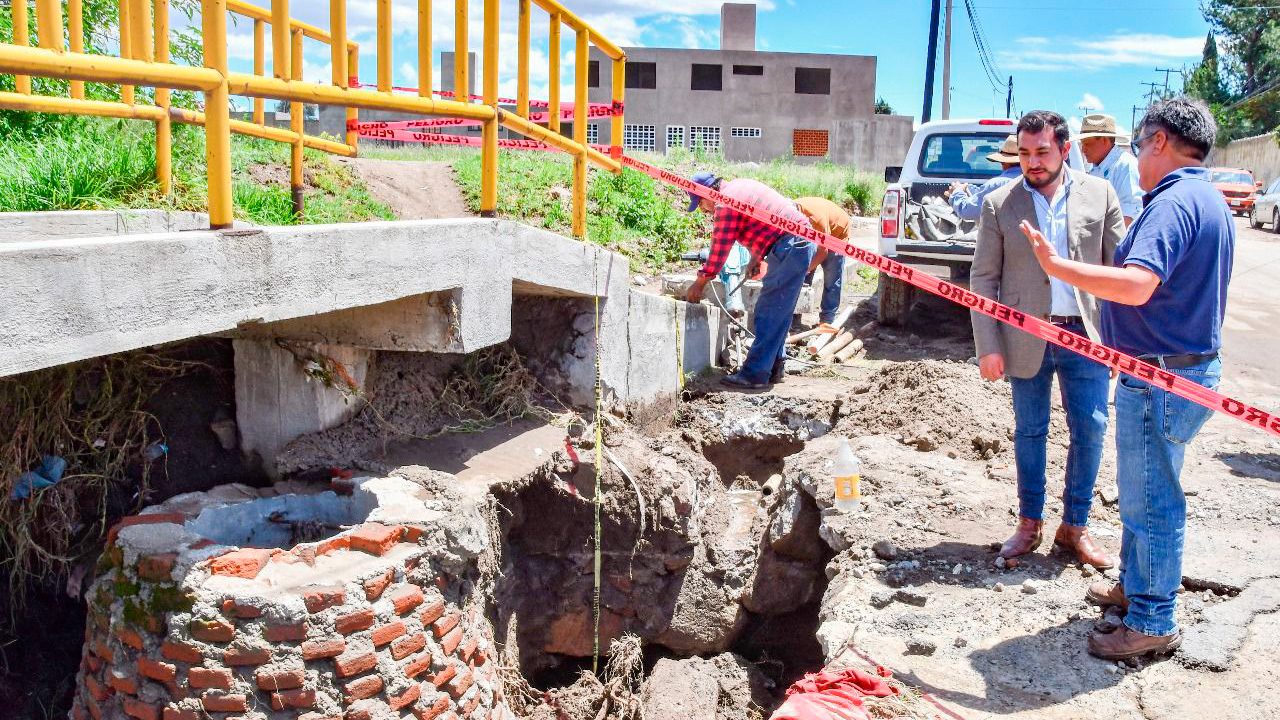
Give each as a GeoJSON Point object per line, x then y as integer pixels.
{"type": "Point", "coordinates": [933, 405]}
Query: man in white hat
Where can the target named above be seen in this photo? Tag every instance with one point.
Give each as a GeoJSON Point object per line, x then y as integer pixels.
{"type": "Point", "coordinates": [1098, 136]}
{"type": "Point", "coordinates": [966, 201]}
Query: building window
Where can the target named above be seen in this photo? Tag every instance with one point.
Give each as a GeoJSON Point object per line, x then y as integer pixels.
{"type": "Point", "coordinates": [642, 75]}
{"type": "Point", "coordinates": [748, 69]}
{"type": "Point", "coordinates": [707, 77]}
{"type": "Point", "coordinates": [593, 133]}
{"type": "Point", "coordinates": [593, 73]}
{"type": "Point", "coordinates": [675, 136]}
{"type": "Point", "coordinates": [704, 137]}
{"type": "Point", "coordinates": [640, 137]}
{"type": "Point", "coordinates": [745, 132]}
{"type": "Point", "coordinates": [813, 81]}
{"type": "Point", "coordinates": [809, 143]}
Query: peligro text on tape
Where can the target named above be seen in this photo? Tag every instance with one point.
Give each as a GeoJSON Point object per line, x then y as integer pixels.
{"type": "Point", "coordinates": [617, 105]}
{"type": "Point", "coordinates": [1046, 331]}
{"type": "Point", "coordinates": [595, 110]}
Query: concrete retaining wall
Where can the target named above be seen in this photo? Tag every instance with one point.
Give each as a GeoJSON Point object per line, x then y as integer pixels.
{"type": "Point", "coordinates": [35, 226]}
{"type": "Point", "coordinates": [1260, 154]}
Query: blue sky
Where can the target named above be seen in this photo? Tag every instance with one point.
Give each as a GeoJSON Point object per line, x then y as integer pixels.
{"type": "Point", "coordinates": [1062, 55]}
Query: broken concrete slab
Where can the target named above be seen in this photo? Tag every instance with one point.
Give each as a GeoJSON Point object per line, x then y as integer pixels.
{"type": "Point", "coordinates": [1214, 642]}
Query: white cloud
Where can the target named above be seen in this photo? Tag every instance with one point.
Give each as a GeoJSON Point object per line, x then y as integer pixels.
{"type": "Point", "coordinates": [1090, 103]}
{"type": "Point", "coordinates": [1069, 54]}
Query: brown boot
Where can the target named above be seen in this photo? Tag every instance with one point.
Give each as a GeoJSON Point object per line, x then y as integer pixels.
{"type": "Point", "coordinates": [1077, 540]}
{"type": "Point", "coordinates": [1125, 643]}
{"type": "Point", "coordinates": [1107, 594]}
{"type": "Point", "coordinates": [1025, 539]}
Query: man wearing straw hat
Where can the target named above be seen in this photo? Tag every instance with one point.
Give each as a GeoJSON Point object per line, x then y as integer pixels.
{"type": "Point", "coordinates": [1099, 143]}
{"type": "Point", "coordinates": [966, 202]}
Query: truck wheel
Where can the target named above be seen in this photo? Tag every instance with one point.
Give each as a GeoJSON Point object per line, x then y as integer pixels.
{"type": "Point", "coordinates": [896, 297]}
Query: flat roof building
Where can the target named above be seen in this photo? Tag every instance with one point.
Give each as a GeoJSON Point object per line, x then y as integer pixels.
{"type": "Point", "coordinates": [749, 104]}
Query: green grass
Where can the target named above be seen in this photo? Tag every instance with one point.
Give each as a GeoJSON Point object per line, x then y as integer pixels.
{"type": "Point", "coordinates": [95, 164]}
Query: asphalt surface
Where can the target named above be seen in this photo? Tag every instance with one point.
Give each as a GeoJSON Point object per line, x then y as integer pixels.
{"type": "Point", "coordinates": [1251, 332]}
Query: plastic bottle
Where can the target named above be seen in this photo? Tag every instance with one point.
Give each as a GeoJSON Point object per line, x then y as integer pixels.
{"type": "Point", "coordinates": [847, 474]}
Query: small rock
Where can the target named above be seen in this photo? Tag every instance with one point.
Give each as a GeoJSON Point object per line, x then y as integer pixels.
{"type": "Point", "coordinates": [882, 599]}
{"type": "Point", "coordinates": [1190, 492]}
{"type": "Point", "coordinates": [1030, 587]}
{"type": "Point", "coordinates": [1001, 562]}
{"type": "Point", "coordinates": [1114, 670]}
{"type": "Point", "coordinates": [972, 361]}
{"type": "Point", "coordinates": [1077, 615]}
{"type": "Point", "coordinates": [885, 550]}
{"type": "Point", "coordinates": [1088, 570]}
{"type": "Point", "coordinates": [957, 569]}
{"type": "Point", "coordinates": [960, 642]}
{"type": "Point", "coordinates": [876, 567]}
{"type": "Point", "coordinates": [998, 587]}
{"type": "Point", "coordinates": [911, 597]}
{"type": "Point", "coordinates": [1111, 573]}
{"type": "Point", "coordinates": [669, 451]}
{"type": "Point", "coordinates": [639, 281]}
{"type": "Point", "coordinates": [921, 646]}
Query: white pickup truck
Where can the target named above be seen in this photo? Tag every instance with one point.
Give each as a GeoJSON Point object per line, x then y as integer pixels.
{"type": "Point", "coordinates": [941, 153]}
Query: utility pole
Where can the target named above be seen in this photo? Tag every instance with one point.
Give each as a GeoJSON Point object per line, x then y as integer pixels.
{"type": "Point", "coordinates": [1008, 100]}
{"type": "Point", "coordinates": [1133, 119]}
{"type": "Point", "coordinates": [946, 67]}
{"type": "Point", "coordinates": [1150, 95]}
{"type": "Point", "coordinates": [1166, 77]}
{"type": "Point", "coordinates": [929, 66]}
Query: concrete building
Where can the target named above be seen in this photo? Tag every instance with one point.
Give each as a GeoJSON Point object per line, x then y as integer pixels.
{"type": "Point", "coordinates": [752, 105]}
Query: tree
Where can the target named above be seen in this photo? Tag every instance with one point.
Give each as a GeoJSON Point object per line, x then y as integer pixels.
{"type": "Point", "coordinates": [882, 107]}
{"type": "Point", "coordinates": [1248, 72]}
{"type": "Point", "coordinates": [1203, 80]}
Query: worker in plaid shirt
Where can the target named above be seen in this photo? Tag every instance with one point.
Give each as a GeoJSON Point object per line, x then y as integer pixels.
{"type": "Point", "coordinates": [787, 255]}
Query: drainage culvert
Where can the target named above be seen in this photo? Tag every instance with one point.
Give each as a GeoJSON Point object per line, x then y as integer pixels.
{"type": "Point", "coordinates": [358, 605]}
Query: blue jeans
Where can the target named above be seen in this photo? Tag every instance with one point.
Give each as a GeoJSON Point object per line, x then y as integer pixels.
{"type": "Point", "coordinates": [1083, 385]}
{"type": "Point", "coordinates": [788, 261]}
{"type": "Point", "coordinates": [832, 281]}
{"type": "Point", "coordinates": [1153, 428]}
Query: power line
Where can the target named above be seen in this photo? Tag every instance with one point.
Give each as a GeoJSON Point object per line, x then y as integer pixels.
{"type": "Point", "coordinates": [984, 54]}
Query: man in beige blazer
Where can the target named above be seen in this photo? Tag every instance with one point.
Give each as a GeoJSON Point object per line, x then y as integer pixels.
{"type": "Point", "coordinates": [1081, 215]}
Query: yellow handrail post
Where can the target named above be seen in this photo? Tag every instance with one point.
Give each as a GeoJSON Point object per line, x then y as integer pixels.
{"type": "Point", "coordinates": [164, 126]}
{"type": "Point", "coordinates": [140, 32]}
{"type": "Point", "coordinates": [21, 36]}
{"type": "Point", "coordinates": [260, 66]}
{"type": "Point", "coordinates": [75, 33]}
{"type": "Point", "coordinates": [522, 67]}
{"type": "Point", "coordinates": [296, 125]}
{"type": "Point", "coordinates": [384, 46]}
{"type": "Point", "coordinates": [615, 126]}
{"type": "Point", "coordinates": [353, 114]}
{"type": "Point", "coordinates": [338, 46]}
{"type": "Point", "coordinates": [424, 48]}
{"type": "Point", "coordinates": [553, 72]}
{"type": "Point", "coordinates": [461, 56]}
{"type": "Point", "coordinates": [281, 67]}
{"type": "Point", "coordinates": [126, 48]}
{"type": "Point", "coordinates": [49, 24]}
{"type": "Point", "coordinates": [580, 134]}
{"type": "Point", "coordinates": [489, 131]}
{"type": "Point", "coordinates": [217, 125]}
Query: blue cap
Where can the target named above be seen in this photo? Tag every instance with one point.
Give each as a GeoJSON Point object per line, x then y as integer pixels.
{"type": "Point", "coordinates": [702, 178]}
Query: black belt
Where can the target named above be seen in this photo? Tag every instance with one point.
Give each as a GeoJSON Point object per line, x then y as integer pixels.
{"type": "Point", "coordinates": [1065, 319]}
{"type": "Point", "coordinates": [1178, 361]}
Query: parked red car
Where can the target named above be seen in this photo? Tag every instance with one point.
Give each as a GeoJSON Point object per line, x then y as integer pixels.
{"type": "Point", "coordinates": [1237, 187]}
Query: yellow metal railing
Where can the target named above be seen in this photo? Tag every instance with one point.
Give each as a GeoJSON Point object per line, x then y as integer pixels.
{"type": "Point", "coordinates": [144, 60]}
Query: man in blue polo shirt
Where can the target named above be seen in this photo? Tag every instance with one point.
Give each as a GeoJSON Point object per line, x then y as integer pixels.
{"type": "Point", "coordinates": [1165, 299]}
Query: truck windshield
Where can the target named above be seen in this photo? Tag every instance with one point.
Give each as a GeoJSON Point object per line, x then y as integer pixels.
{"type": "Point", "coordinates": [960, 155]}
{"type": "Point", "coordinates": [1233, 177]}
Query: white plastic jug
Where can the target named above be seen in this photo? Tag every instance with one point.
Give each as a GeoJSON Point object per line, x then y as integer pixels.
{"type": "Point", "coordinates": [847, 475]}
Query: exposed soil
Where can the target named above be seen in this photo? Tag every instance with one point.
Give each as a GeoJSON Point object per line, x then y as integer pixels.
{"type": "Point", "coordinates": [413, 190]}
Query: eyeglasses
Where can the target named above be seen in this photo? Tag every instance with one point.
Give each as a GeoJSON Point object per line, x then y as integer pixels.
{"type": "Point", "coordinates": [1139, 142]}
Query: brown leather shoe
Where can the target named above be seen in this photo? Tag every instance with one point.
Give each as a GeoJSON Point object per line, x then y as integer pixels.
{"type": "Point", "coordinates": [1077, 540]}
{"type": "Point", "coordinates": [1107, 594]}
{"type": "Point", "coordinates": [1025, 539]}
{"type": "Point", "coordinates": [1126, 643]}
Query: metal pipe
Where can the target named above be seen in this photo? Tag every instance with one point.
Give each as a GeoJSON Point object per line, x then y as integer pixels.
{"type": "Point", "coordinates": [72, 106]}
{"type": "Point", "coordinates": [338, 47]}
{"type": "Point", "coordinates": [217, 127]}
{"type": "Point", "coordinates": [553, 73]}
{"type": "Point", "coordinates": [573, 21]}
{"type": "Point", "coordinates": [49, 24]}
{"type": "Point", "coordinates": [246, 84]}
{"type": "Point", "coordinates": [556, 140]}
{"type": "Point", "coordinates": [266, 132]}
{"type": "Point", "coordinates": [461, 55]}
{"type": "Point", "coordinates": [384, 46]}
{"type": "Point", "coordinates": [281, 44]}
{"type": "Point", "coordinates": [522, 63]}
{"type": "Point", "coordinates": [296, 125]}
{"type": "Point", "coordinates": [240, 7]}
{"type": "Point", "coordinates": [260, 64]}
{"type": "Point", "coordinates": [126, 91]}
{"type": "Point", "coordinates": [353, 114]}
{"type": "Point", "coordinates": [164, 125]}
{"type": "Point", "coordinates": [104, 68]}
{"type": "Point", "coordinates": [75, 33]}
{"type": "Point", "coordinates": [615, 123]}
{"type": "Point", "coordinates": [579, 199]}
{"type": "Point", "coordinates": [489, 132]}
{"type": "Point", "coordinates": [140, 32]}
{"type": "Point", "coordinates": [21, 38]}
{"type": "Point", "coordinates": [424, 48]}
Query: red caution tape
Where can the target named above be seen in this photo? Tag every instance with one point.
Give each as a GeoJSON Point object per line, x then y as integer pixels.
{"type": "Point", "coordinates": [1042, 329]}
{"type": "Point", "coordinates": [594, 110]}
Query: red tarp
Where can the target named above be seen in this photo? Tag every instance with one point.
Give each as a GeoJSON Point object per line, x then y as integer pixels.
{"type": "Point", "coordinates": [833, 695]}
